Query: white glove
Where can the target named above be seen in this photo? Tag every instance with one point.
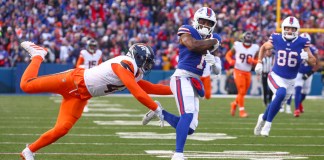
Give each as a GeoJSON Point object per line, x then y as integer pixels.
{"type": "Point", "coordinates": [215, 46]}
{"type": "Point", "coordinates": [159, 114]}
{"type": "Point", "coordinates": [210, 59]}
{"type": "Point", "coordinates": [258, 68]}
{"type": "Point", "coordinates": [217, 67]}
{"type": "Point", "coordinates": [304, 55]}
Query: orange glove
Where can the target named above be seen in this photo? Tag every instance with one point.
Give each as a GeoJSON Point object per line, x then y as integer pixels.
{"type": "Point", "coordinates": [250, 60]}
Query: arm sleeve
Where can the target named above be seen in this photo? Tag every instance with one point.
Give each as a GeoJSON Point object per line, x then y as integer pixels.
{"type": "Point", "coordinates": [129, 81]}
{"type": "Point", "coordinates": [79, 62]}
{"type": "Point", "coordinates": [228, 56]}
{"type": "Point", "coordinates": [151, 88]}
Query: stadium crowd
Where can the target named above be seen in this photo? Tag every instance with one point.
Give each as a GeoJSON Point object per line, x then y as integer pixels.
{"type": "Point", "coordinates": [63, 27]}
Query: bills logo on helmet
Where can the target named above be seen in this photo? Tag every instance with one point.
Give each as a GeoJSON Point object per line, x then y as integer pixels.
{"type": "Point", "coordinates": [291, 20]}
{"type": "Point", "coordinates": [209, 12]}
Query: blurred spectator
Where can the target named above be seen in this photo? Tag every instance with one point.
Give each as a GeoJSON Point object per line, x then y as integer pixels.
{"type": "Point", "coordinates": [62, 26]}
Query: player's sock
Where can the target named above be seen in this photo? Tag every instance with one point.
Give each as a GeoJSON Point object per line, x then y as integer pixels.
{"type": "Point", "coordinates": [276, 103]}
{"type": "Point", "coordinates": [182, 131]}
{"type": "Point", "coordinates": [303, 96]}
{"type": "Point", "coordinates": [289, 100]}
{"type": "Point", "coordinates": [298, 96]}
{"type": "Point", "coordinates": [266, 112]}
{"type": "Point", "coordinates": [170, 118]}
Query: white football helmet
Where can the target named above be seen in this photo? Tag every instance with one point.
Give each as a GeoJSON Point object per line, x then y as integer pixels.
{"type": "Point", "coordinates": [204, 13]}
{"type": "Point", "coordinates": [290, 22]}
{"type": "Point", "coordinates": [92, 45]}
{"type": "Point", "coordinates": [306, 35]}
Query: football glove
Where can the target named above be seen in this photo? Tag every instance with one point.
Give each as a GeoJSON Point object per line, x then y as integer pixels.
{"type": "Point", "coordinates": [217, 67]}
{"type": "Point", "coordinates": [304, 55]}
{"type": "Point", "coordinates": [159, 114]}
{"type": "Point", "coordinates": [210, 59]}
{"type": "Point", "coordinates": [258, 68]}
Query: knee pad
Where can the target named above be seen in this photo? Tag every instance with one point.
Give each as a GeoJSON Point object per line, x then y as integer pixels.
{"type": "Point", "coordinates": [281, 93]}
{"type": "Point", "coordinates": [191, 131]}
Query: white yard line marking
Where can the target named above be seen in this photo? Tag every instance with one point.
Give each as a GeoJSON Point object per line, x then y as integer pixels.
{"type": "Point", "coordinates": [172, 144]}
{"type": "Point", "coordinates": [112, 110]}
{"type": "Point", "coordinates": [252, 155]}
{"type": "Point", "coordinates": [111, 115]}
{"type": "Point", "coordinates": [82, 154]}
{"type": "Point", "coordinates": [113, 135]}
{"type": "Point", "coordinates": [127, 123]}
{"type": "Point", "coordinates": [154, 135]}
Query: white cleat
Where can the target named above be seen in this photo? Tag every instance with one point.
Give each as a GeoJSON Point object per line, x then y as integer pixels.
{"type": "Point", "coordinates": [33, 49]}
{"type": "Point", "coordinates": [27, 154]}
{"type": "Point", "coordinates": [86, 109]}
{"type": "Point", "coordinates": [288, 109]}
{"type": "Point", "coordinates": [259, 125]}
{"type": "Point", "coordinates": [282, 109]}
{"type": "Point", "coordinates": [266, 129]}
{"type": "Point", "coordinates": [178, 156]}
{"type": "Point", "coordinates": [148, 117]}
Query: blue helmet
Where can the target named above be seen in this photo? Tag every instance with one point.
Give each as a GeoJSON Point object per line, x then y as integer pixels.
{"type": "Point", "coordinates": [143, 56]}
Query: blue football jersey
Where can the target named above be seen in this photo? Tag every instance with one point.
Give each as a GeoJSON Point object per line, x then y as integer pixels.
{"type": "Point", "coordinates": [287, 55]}
{"type": "Point", "coordinates": [304, 66]}
{"type": "Point", "coordinates": [188, 60]}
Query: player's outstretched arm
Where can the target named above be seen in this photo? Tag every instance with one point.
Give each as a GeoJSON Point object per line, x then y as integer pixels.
{"type": "Point", "coordinates": [199, 46]}
{"type": "Point", "coordinates": [266, 46]}
{"type": "Point", "coordinates": [129, 81]}
{"type": "Point", "coordinates": [151, 88]}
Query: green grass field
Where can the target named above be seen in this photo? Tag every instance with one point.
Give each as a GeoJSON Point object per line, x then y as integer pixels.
{"type": "Point", "coordinates": [112, 130]}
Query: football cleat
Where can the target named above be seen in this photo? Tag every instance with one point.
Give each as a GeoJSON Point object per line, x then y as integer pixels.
{"type": "Point", "coordinates": [33, 49]}
{"type": "Point", "coordinates": [148, 117]}
{"type": "Point", "coordinates": [282, 109]}
{"type": "Point", "coordinates": [243, 114]}
{"type": "Point", "coordinates": [266, 129]}
{"type": "Point", "coordinates": [178, 156]}
{"type": "Point", "coordinates": [297, 113]}
{"type": "Point", "coordinates": [233, 108]}
{"type": "Point", "coordinates": [259, 125]}
{"type": "Point", "coordinates": [288, 109]}
{"type": "Point", "coordinates": [27, 154]}
{"type": "Point", "coordinates": [86, 109]}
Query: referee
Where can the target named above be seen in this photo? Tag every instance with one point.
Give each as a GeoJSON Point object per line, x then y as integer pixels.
{"type": "Point", "coordinates": [267, 65]}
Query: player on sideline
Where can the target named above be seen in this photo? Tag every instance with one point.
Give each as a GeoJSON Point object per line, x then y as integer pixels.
{"type": "Point", "coordinates": [88, 58]}
{"type": "Point", "coordinates": [245, 53]}
{"type": "Point", "coordinates": [304, 79]}
{"type": "Point", "coordinates": [78, 85]}
{"type": "Point", "coordinates": [195, 41]}
{"type": "Point", "coordinates": [290, 51]}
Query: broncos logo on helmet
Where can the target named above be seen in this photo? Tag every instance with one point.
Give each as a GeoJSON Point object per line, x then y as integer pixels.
{"type": "Point", "coordinates": [143, 56]}
{"type": "Point", "coordinates": [247, 38]}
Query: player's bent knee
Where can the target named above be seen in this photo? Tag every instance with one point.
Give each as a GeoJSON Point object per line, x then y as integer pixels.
{"type": "Point", "coordinates": [191, 131]}
{"type": "Point", "coordinates": [281, 93]}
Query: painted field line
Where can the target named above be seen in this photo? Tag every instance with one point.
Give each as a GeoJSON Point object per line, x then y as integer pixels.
{"type": "Point", "coordinates": [111, 115]}
{"type": "Point", "coordinates": [172, 144]}
{"type": "Point", "coordinates": [81, 154]}
{"type": "Point", "coordinates": [157, 128]}
{"type": "Point", "coordinates": [112, 109]}
{"type": "Point", "coordinates": [113, 135]}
